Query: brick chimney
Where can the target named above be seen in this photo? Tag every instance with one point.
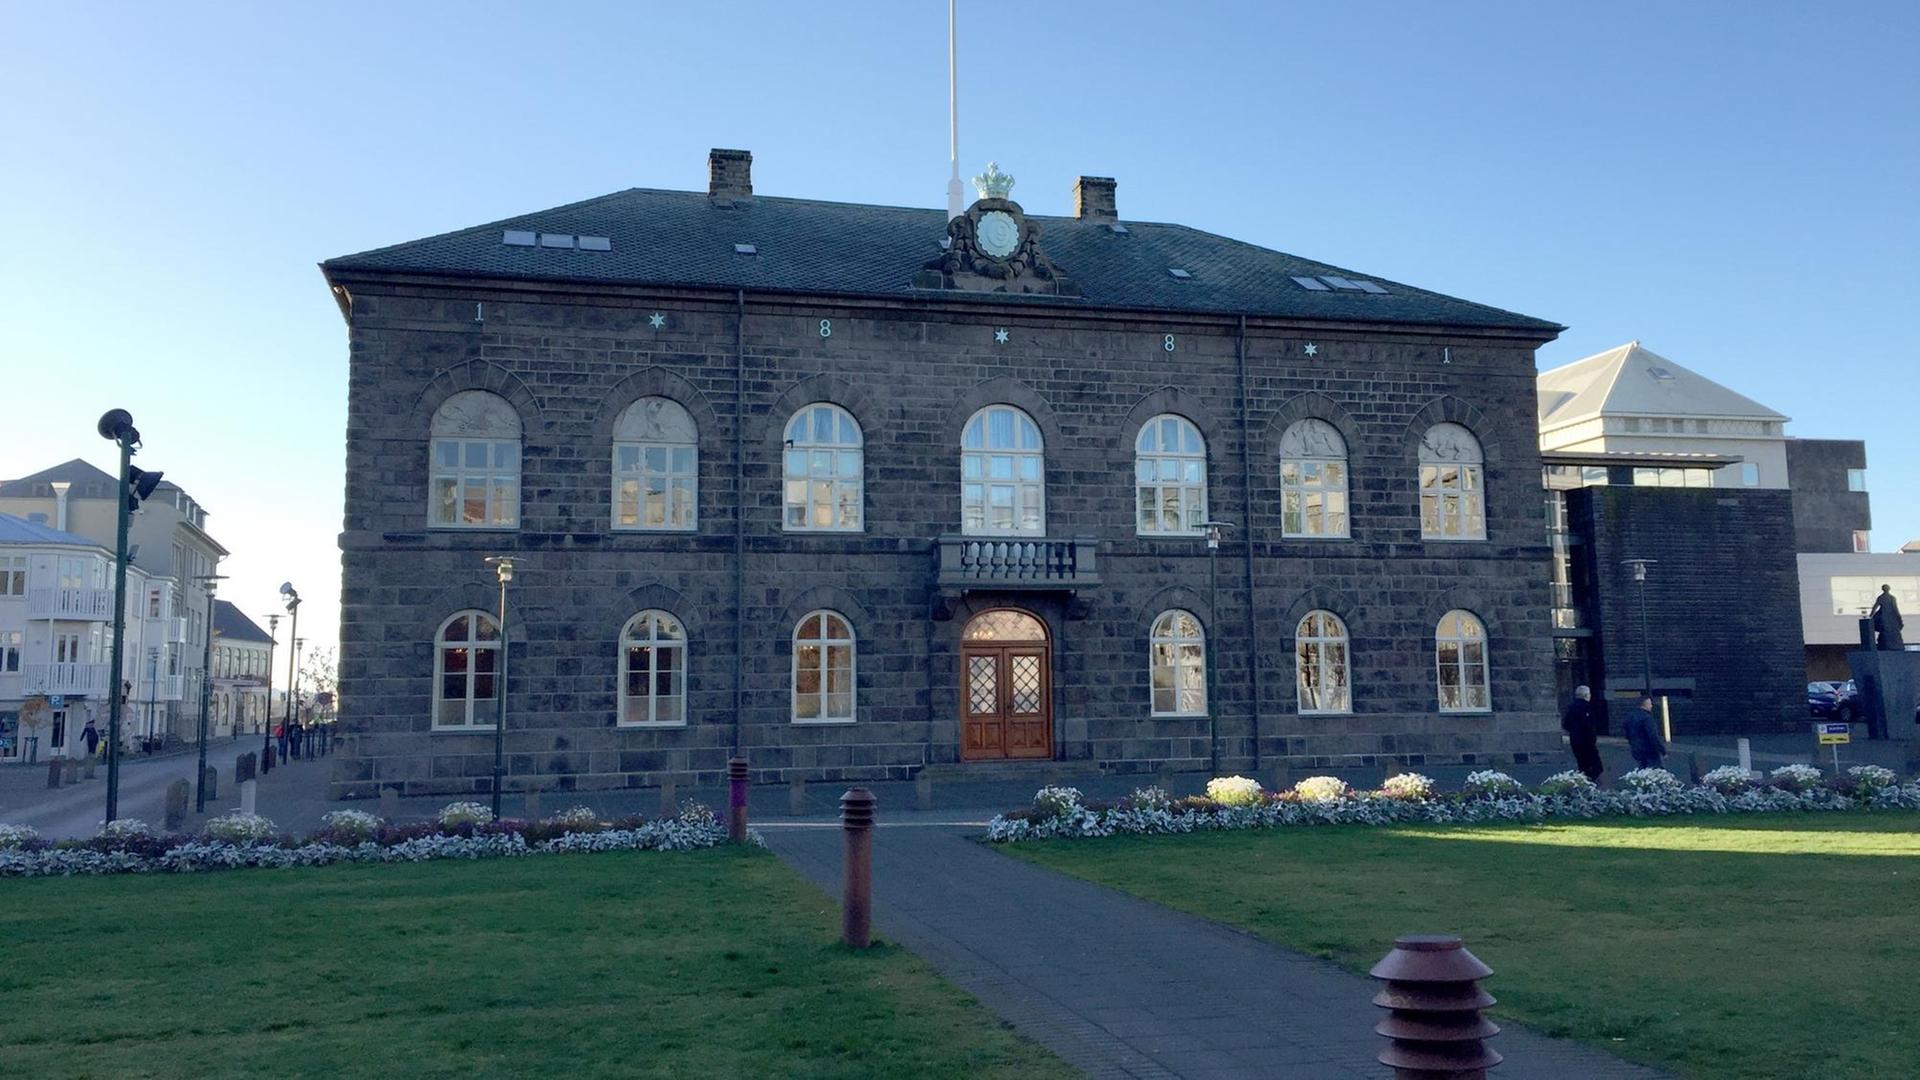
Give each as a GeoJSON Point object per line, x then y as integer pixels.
{"type": "Point", "coordinates": [729, 174]}
{"type": "Point", "coordinates": [1093, 199]}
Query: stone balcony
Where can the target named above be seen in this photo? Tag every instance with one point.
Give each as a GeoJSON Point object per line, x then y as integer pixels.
{"type": "Point", "coordinates": [1014, 564]}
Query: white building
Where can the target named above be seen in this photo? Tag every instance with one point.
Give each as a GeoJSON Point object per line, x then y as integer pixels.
{"type": "Point", "coordinates": [56, 641]}
{"type": "Point", "coordinates": [242, 655]}
{"type": "Point", "coordinates": [166, 538]}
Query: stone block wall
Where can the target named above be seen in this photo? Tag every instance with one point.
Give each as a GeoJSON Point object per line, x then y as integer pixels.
{"type": "Point", "coordinates": [912, 372]}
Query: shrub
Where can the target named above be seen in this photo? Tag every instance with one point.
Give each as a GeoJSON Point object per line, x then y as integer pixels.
{"type": "Point", "coordinates": [348, 827]}
{"type": "Point", "coordinates": [239, 827]}
{"type": "Point", "coordinates": [125, 828]}
{"type": "Point", "coordinates": [1796, 778]}
{"type": "Point", "coordinates": [1571, 782]}
{"type": "Point", "coordinates": [1868, 779]}
{"type": "Point", "coordinates": [1493, 784]}
{"type": "Point", "coordinates": [1407, 785]}
{"type": "Point", "coordinates": [1732, 779]}
{"type": "Point", "coordinates": [1651, 780]}
{"type": "Point", "coordinates": [1149, 798]}
{"type": "Point", "coordinates": [1055, 802]}
{"type": "Point", "coordinates": [1320, 789]}
{"type": "Point", "coordinates": [18, 837]}
{"type": "Point", "coordinates": [465, 813]}
{"type": "Point", "coordinates": [698, 815]}
{"type": "Point", "coordinates": [1234, 791]}
{"type": "Point", "coordinates": [578, 819]}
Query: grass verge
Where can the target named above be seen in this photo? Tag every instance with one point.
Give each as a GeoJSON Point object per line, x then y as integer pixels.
{"type": "Point", "coordinates": [1774, 945]}
{"type": "Point", "coordinates": [714, 963]}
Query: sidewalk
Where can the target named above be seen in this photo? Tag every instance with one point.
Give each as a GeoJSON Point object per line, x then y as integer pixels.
{"type": "Point", "coordinates": [1122, 988]}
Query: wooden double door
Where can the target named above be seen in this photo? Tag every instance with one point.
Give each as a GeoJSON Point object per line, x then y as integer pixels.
{"type": "Point", "coordinates": [1006, 688]}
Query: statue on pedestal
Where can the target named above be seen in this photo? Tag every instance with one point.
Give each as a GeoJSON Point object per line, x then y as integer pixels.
{"type": "Point", "coordinates": [1887, 623]}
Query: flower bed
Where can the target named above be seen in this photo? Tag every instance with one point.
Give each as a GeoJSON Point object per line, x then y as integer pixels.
{"type": "Point", "coordinates": [1492, 797]}
{"type": "Point", "coordinates": [235, 840]}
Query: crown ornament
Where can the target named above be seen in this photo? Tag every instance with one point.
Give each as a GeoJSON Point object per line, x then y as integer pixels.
{"type": "Point", "coordinates": [993, 184]}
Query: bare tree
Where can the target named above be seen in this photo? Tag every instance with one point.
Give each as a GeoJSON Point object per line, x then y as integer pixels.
{"type": "Point", "coordinates": [319, 680]}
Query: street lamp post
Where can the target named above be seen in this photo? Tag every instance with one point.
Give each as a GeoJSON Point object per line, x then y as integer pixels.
{"type": "Point", "coordinates": [211, 581]}
{"type": "Point", "coordinates": [503, 566]}
{"type": "Point", "coordinates": [294, 743]}
{"type": "Point", "coordinates": [1210, 640]}
{"type": "Point", "coordinates": [116, 426]}
{"type": "Point", "coordinates": [292, 597]}
{"type": "Point", "coordinates": [1646, 643]}
{"type": "Point", "coordinates": [266, 714]}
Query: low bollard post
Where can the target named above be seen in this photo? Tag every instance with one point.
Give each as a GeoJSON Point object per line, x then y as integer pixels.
{"type": "Point", "coordinates": [212, 776]}
{"type": "Point", "coordinates": [178, 794]}
{"type": "Point", "coordinates": [54, 772]}
{"type": "Point", "coordinates": [1434, 1027]}
{"type": "Point", "coordinates": [1279, 777]}
{"type": "Point", "coordinates": [87, 766]}
{"type": "Point", "coordinates": [389, 803]}
{"type": "Point", "coordinates": [532, 807]}
{"type": "Point", "coordinates": [737, 800]}
{"type": "Point", "coordinates": [71, 774]}
{"type": "Point", "coordinates": [797, 797]}
{"type": "Point", "coordinates": [856, 872]}
{"type": "Point", "coordinates": [669, 805]}
{"type": "Point", "coordinates": [923, 791]}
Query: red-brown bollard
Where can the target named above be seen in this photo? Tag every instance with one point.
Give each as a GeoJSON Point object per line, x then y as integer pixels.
{"type": "Point", "coordinates": [737, 800]}
{"type": "Point", "coordinates": [1434, 1028]}
{"type": "Point", "coordinates": [856, 876]}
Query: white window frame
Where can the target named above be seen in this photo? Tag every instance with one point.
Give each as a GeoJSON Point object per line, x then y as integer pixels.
{"type": "Point", "coordinates": [804, 448]}
{"type": "Point", "coordinates": [12, 642]}
{"type": "Point", "coordinates": [13, 575]}
{"type": "Point", "coordinates": [1463, 631]}
{"type": "Point", "coordinates": [822, 669]}
{"type": "Point", "coordinates": [650, 639]}
{"type": "Point", "coordinates": [1749, 474]}
{"type": "Point", "coordinates": [1856, 479]}
{"type": "Point", "coordinates": [1314, 480]}
{"type": "Point", "coordinates": [1321, 643]}
{"type": "Point", "coordinates": [1159, 472]}
{"type": "Point", "coordinates": [1443, 451]}
{"type": "Point", "coordinates": [1167, 652]}
{"type": "Point", "coordinates": [1862, 542]}
{"type": "Point", "coordinates": [473, 644]}
{"type": "Point", "coordinates": [656, 426]}
{"type": "Point", "coordinates": [475, 420]}
{"type": "Point", "coordinates": [1026, 465]}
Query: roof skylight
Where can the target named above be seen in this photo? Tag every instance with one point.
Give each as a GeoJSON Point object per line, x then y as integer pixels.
{"type": "Point", "coordinates": [1310, 283]}
{"type": "Point", "coordinates": [1178, 273]}
{"type": "Point", "coordinates": [518, 238]}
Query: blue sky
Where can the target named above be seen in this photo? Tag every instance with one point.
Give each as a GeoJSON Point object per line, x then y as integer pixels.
{"type": "Point", "coordinates": [1731, 183]}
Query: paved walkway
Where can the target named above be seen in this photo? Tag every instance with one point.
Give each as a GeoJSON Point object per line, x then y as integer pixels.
{"type": "Point", "coordinates": [1123, 988]}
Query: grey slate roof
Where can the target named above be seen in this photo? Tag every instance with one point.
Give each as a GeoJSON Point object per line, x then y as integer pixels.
{"type": "Point", "coordinates": [233, 625]}
{"type": "Point", "coordinates": [18, 530]}
{"type": "Point", "coordinates": [88, 482]}
{"type": "Point", "coordinates": [681, 238]}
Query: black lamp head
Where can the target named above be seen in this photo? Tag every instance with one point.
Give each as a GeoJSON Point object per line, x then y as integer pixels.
{"type": "Point", "coordinates": [142, 482]}
{"type": "Point", "coordinates": [116, 425]}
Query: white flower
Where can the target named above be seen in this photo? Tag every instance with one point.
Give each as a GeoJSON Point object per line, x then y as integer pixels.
{"type": "Point", "coordinates": [1651, 780]}
{"type": "Point", "coordinates": [1872, 777]}
{"type": "Point", "coordinates": [1320, 789]}
{"type": "Point", "coordinates": [465, 813]}
{"type": "Point", "coordinates": [1233, 790]}
{"type": "Point", "coordinates": [1055, 802]}
{"type": "Point", "coordinates": [1730, 779]}
{"type": "Point", "coordinates": [580, 817]}
{"type": "Point", "coordinates": [14, 837]}
{"type": "Point", "coordinates": [1407, 785]}
{"type": "Point", "coordinates": [122, 828]}
{"type": "Point", "coordinates": [1571, 782]}
{"type": "Point", "coordinates": [1150, 798]}
{"type": "Point", "coordinates": [1493, 782]}
{"type": "Point", "coordinates": [353, 822]}
{"type": "Point", "coordinates": [239, 827]}
{"type": "Point", "coordinates": [1797, 778]}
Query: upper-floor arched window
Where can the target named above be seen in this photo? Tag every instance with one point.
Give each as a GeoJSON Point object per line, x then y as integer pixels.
{"type": "Point", "coordinates": [1453, 504]}
{"type": "Point", "coordinates": [1313, 480]}
{"type": "Point", "coordinates": [1002, 474]}
{"type": "Point", "coordinates": [476, 463]}
{"type": "Point", "coordinates": [823, 470]}
{"type": "Point", "coordinates": [1170, 477]}
{"type": "Point", "coordinates": [656, 466]}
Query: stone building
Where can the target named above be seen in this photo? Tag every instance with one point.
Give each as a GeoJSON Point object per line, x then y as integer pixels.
{"type": "Point", "coordinates": [861, 490]}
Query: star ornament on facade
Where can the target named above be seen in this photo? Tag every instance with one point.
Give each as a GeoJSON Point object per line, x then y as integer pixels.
{"type": "Point", "coordinates": [656, 320]}
{"type": "Point", "coordinates": [1000, 336]}
{"type": "Point", "coordinates": [1312, 349]}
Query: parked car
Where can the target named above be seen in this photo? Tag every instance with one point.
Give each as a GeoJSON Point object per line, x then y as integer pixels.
{"type": "Point", "coordinates": [1832, 700]}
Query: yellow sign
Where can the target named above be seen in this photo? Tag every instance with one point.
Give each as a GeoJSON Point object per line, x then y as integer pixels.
{"type": "Point", "coordinates": [1833, 734]}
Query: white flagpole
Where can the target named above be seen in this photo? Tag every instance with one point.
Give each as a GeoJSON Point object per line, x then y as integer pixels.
{"type": "Point", "coordinates": [955, 196]}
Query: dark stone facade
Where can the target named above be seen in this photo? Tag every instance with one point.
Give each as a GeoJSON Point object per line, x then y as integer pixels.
{"type": "Point", "coordinates": [912, 372]}
{"type": "Point", "coordinates": [1825, 513]}
{"type": "Point", "coordinates": [1722, 601]}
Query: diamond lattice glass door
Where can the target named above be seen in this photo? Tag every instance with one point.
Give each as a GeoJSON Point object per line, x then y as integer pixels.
{"type": "Point", "coordinates": [1006, 688]}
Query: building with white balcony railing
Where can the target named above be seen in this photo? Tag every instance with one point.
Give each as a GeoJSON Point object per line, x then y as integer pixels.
{"type": "Point", "coordinates": [56, 640]}
{"type": "Point", "coordinates": [169, 552]}
{"type": "Point", "coordinates": [242, 656]}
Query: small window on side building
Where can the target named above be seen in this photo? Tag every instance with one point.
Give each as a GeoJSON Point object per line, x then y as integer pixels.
{"type": "Point", "coordinates": [1749, 474]}
{"type": "Point", "coordinates": [1860, 542]}
{"type": "Point", "coordinates": [1856, 479]}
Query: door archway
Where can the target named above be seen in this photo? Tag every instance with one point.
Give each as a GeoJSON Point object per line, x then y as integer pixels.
{"type": "Point", "coordinates": [1006, 687]}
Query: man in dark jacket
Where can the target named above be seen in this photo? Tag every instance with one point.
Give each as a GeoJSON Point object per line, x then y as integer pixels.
{"type": "Point", "coordinates": [1583, 733]}
{"type": "Point", "coordinates": [1643, 736]}
{"type": "Point", "coordinates": [92, 737]}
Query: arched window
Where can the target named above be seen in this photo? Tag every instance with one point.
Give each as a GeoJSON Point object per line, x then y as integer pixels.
{"type": "Point", "coordinates": [1313, 480]}
{"type": "Point", "coordinates": [1460, 656]}
{"type": "Point", "coordinates": [656, 466]}
{"type": "Point", "coordinates": [1320, 654]}
{"type": "Point", "coordinates": [1170, 477]}
{"type": "Point", "coordinates": [653, 670]}
{"type": "Point", "coordinates": [1179, 661]}
{"type": "Point", "coordinates": [466, 669]}
{"type": "Point", "coordinates": [823, 470]}
{"type": "Point", "coordinates": [1453, 503]}
{"type": "Point", "coordinates": [1003, 487]}
{"type": "Point", "coordinates": [476, 463]}
{"type": "Point", "coordinates": [823, 669]}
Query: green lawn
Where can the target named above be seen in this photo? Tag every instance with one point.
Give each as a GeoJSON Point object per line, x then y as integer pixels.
{"type": "Point", "coordinates": [1766, 946]}
{"type": "Point", "coordinates": [711, 964]}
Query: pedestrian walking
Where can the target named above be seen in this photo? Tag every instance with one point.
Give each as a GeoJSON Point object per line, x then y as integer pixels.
{"type": "Point", "coordinates": [91, 736]}
{"type": "Point", "coordinates": [1583, 734]}
{"type": "Point", "coordinates": [280, 737]}
{"type": "Point", "coordinates": [1643, 737]}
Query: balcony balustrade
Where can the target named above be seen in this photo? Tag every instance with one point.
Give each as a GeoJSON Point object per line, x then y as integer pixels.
{"type": "Point", "coordinates": [983, 562]}
{"type": "Point", "coordinates": [66, 678]}
{"type": "Point", "coordinates": [48, 602]}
